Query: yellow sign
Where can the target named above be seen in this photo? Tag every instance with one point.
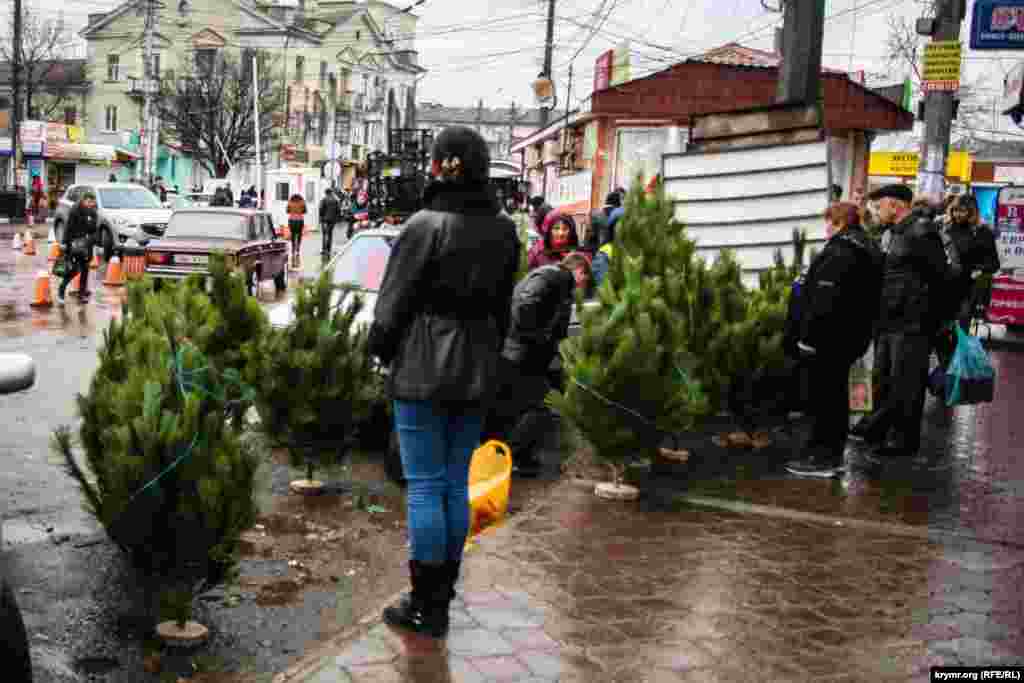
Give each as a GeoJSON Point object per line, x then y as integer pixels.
{"type": "Point", "coordinates": [942, 61]}
{"type": "Point", "coordinates": [904, 164]}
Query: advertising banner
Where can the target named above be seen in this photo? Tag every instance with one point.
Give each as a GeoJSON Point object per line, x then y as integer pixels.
{"type": "Point", "coordinates": [942, 65]}
{"type": "Point", "coordinates": [1010, 226]}
{"type": "Point", "coordinates": [1007, 305]}
{"type": "Point", "coordinates": [997, 25]}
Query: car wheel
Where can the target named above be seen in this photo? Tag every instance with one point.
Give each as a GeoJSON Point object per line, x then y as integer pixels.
{"type": "Point", "coordinates": [393, 461]}
{"type": "Point", "coordinates": [281, 281]}
{"type": "Point", "coordinates": [107, 238]}
{"type": "Point", "coordinates": [14, 656]}
{"type": "Point", "coordinates": [252, 282]}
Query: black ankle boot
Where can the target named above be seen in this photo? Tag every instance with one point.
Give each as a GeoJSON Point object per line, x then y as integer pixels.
{"type": "Point", "coordinates": [452, 568]}
{"type": "Point", "coordinates": [424, 610]}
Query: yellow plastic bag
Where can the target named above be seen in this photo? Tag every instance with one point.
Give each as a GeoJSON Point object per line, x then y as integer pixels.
{"type": "Point", "coordinates": [490, 474]}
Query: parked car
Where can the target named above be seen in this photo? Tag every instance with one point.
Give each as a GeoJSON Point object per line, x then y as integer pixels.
{"type": "Point", "coordinates": [198, 198]}
{"type": "Point", "coordinates": [126, 212]}
{"type": "Point", "coordinates": [246, 236]}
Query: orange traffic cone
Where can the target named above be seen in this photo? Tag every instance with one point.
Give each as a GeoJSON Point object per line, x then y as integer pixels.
{"type": "Point", "coordinates": [55, 252]}
{"type": "Point", "coordinates": [30, 244]}
{"type": "Point", "coordinates": [115, 276]}
{"type": "Point", "coordinates": [95, 263]}
{"type": "Point", "coordinates": [42, 298]}
{"type": "Point", "coordinates": [75, 285]}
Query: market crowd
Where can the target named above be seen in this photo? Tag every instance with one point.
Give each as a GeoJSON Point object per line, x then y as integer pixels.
{"type": "Point", "coordinates": [900, 277]}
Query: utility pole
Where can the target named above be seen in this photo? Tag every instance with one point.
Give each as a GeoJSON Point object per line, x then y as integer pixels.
{"type": "Point", "coordinates": [149, 133]}
{"type": "Point", "coordinates": [938, 111]}
{"type": "Point", "coordinates": [16, 86]}
{"type": "Point", "coordinates": [803, 28]}
{"type": "Point", "coordinates": [256, 126]}
{"type": "Point", "coordinates": [549, 44]}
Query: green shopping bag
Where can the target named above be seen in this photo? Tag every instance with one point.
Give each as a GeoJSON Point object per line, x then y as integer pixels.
{"type": "Point", "coordinates": [970, 378]}
{"type": "Point", "coordinates": [61, 267]}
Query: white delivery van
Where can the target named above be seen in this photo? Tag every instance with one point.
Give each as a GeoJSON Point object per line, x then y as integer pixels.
{"type": "Point", "coordinates": [284, 182]}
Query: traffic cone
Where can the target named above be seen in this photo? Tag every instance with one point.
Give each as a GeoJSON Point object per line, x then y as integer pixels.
{"type": "Point", "coordinates": [55, 252]}
{"type": "Point", "coordinates": [30, 244]}
{"type": "Point", "coordinates": [42, 297]}
{"type": "Point", "coordinates": [115, 276]}
{"type": "Point", "coordinates": [75, 285]}
{"type": "Point", "coordinates": [16, 242]}
{"type": "Point", "coordinates": [135, 267]}
{"type": "Point", "coordinates": [95, 263]}
{"type": "Point", "coordinates": [52, 237]}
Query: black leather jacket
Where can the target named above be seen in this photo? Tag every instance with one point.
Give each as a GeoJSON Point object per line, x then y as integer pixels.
{"type": "Point", "coordinates": [916, 277]}
{"type": "Point", "coordinates": [541, 312]}
{"type": "Point", "coordinates": [971, 249]}
{"type": "Point", "coordinates": [841, 294]}
{"type": "Point", "coordinates": [82, 224]}
{"type": "Point", "coordinates": [442, 312]}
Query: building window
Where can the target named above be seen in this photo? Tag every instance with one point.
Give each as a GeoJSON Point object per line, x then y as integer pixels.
{"type": "Point", "coordinates": [281, 192]}
{"type": "Point", "coordinates": [323, 73]}
{"type": "Point", "coordinates": [204, 61]}
{"type": "Point", "coordinates": [300, 65]}
{"type": "Point", "coordinates": [70, 116]}
{"type": "Point", "coordinates": [156, 66]}
{"type": "Point", "coordinates": [113, 67]}
{"type": "Point", "coordinates": [111, 118]}
{"type": "Point", "coordinates": [359, 34]}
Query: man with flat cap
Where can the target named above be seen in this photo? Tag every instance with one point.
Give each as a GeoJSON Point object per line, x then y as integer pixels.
{"type": "Point", "coordinates": [915, 275]}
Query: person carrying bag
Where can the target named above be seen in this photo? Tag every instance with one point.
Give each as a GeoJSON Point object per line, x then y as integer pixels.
{"type": "Point", "coordinates": [970, 378]}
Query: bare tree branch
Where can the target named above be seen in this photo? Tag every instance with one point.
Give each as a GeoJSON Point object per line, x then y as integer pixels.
{"type": "Point", "coordinates": [47, 83]}
{"type": "Point", "coordinates": [210, 111]}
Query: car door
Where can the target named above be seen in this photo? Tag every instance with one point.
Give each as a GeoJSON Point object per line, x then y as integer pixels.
{"type": "Point", "coordinates": [276, 249]}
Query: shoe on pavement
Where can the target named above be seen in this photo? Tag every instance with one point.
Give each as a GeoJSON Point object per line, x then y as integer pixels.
{"type": "Point", "coordinates": [816, 467]}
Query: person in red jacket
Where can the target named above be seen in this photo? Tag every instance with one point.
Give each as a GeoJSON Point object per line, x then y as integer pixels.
{"type": "Point", "coordinates": [558, 240]}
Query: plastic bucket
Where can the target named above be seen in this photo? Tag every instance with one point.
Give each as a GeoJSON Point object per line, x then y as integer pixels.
{"type": "Point", "coordinates": [490, 475]}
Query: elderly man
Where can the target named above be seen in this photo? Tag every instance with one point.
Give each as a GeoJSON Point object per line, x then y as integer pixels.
{"type": "Point", "coordinates": [915, 277]}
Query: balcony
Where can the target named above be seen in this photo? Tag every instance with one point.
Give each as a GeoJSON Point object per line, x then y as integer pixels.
{"type": "Point", "coordinates": [137, 87]}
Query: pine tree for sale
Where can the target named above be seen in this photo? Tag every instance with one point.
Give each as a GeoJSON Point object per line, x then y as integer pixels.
{"type": "Point", "coordinates": [165, 472]}
{"type": "Point", "coordinates": [629, 374]}
{"type": "Point", "coordinates": [315, 380]}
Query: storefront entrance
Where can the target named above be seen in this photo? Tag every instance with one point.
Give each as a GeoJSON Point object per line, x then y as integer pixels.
{"type": "Point", "coordinates": [59, 176]}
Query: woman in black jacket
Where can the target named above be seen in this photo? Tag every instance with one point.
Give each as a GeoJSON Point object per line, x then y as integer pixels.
{"type": "Point", "coordinates": [79, 240]}
{"type": "Point", "coordinates": [439, 322]}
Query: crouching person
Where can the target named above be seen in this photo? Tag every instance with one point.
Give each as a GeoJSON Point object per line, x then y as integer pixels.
{"type": "Point", "coordinates": [839, 300]}
{"type": "Point", "coordinates": [539, 321]}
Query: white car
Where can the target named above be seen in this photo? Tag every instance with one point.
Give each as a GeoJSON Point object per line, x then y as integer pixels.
{"type": "Point", "coordinates": [129, 214]}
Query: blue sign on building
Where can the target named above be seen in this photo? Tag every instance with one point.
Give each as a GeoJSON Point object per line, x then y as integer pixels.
{"type": "Point", "coordinates": [997, 25]}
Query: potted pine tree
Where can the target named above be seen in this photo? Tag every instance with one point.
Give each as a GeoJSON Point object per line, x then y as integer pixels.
{"type": "Point", "coordinates": [165, 472]}
{"type": "Point", "coordinates": [630, 371]}
{"type": "Point", "coordinates": [315, 380]}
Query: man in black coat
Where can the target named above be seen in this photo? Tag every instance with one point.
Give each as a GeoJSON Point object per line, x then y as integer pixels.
{"type": "Point", "coordinates": [916, 278]}
{"type": "Point", "coordinates": [838, 306]}
{"type": "Point", "coordinates": [79, 239]}
{"type": "Point", "coordinates": [330, 213]}
{"type": "Point", "coordinates": [539, 321]}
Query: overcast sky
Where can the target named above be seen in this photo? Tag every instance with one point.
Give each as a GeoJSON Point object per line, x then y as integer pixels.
{"type": "Point", "coordinates": [492, 49]}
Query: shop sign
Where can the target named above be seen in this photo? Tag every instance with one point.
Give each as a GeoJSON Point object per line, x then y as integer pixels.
{"type": "Point", "coordinates": [1012, 89]}
{"type": "Point", "coordinates": [942, 65]}
{"type": "Point", "coordinates": [1010, 226]}
{"type": "Point", "coordinates": [573, 189]}
{"type": "Point", "coordinates": [1007, 304]}
{"type": "Point", "coordinates": [621, 64]}
{"type": "Point", "coordinates": [904, 164]}
{"type": "Point", "coordinates": [1009, 174]}
{"type": "Point", "coordinates": [33, 131]}
{"type": "Point", "coordinates": [30, 148]}
{"type": "Point", "coordinates": [63, 150]}
{"type": "Point", "coordinates": [56, 132]}
{"type": "Point", "coordinates": [997, 25]}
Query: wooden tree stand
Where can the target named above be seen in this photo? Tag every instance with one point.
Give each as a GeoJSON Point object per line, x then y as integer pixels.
{"type": "Point", "coordinates": [610, 490]}
{"type": "Point", "coordinates": [307, 487]}
{"type": "Point", "coordinates": [192, 635]}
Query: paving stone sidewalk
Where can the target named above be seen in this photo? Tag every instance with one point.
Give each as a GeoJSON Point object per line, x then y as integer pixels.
{"type": "Point", "coordinates": [586, 590]}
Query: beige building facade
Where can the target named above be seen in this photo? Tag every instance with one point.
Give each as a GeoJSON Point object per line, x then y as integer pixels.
{"type": "Point", "coordinates": [349, 70]}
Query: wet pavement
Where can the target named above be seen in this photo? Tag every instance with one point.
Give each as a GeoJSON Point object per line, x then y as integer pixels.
{"type": "Point", "coordinates": [876, 576]}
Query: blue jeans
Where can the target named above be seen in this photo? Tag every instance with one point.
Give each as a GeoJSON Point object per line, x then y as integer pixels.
{"type": "Point", "coordinates": [437, 443]}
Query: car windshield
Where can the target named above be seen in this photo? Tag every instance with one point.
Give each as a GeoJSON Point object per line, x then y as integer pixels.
{"type": "Point", "coordinates": [363, 262]}
{"type": "Point", "coordinates": [207, 225]}
{"type": "Point", "coordinates": [128, 198]}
